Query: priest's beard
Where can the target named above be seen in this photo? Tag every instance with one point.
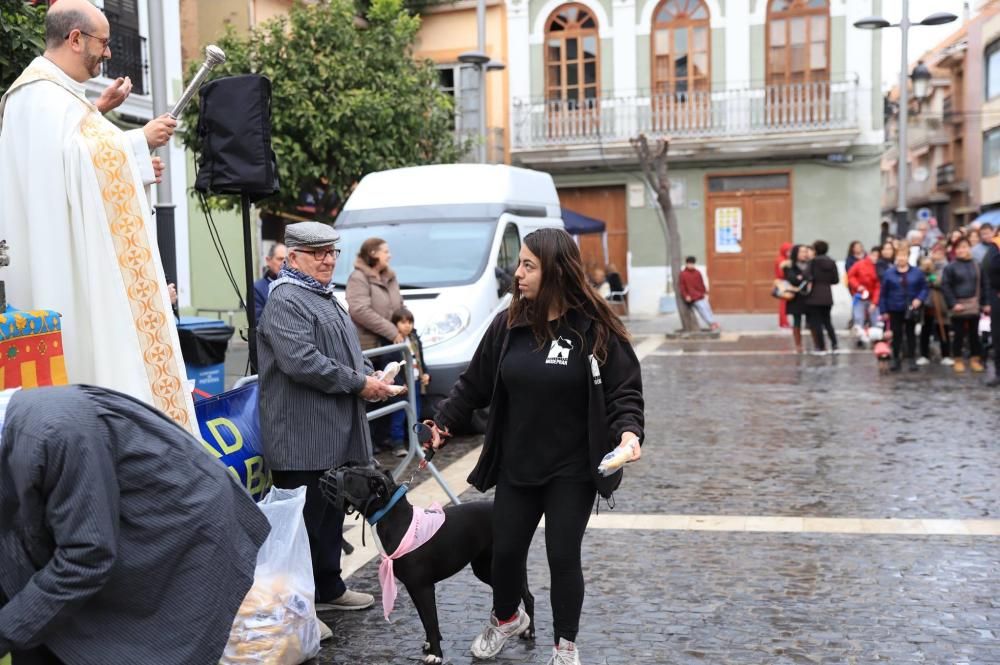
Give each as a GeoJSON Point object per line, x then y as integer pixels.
{"type": "Point", "coordinates": [93, 63]}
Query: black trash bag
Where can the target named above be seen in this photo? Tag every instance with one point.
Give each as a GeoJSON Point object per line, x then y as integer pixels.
{"type": "Point", "coordinates": [205, 346]}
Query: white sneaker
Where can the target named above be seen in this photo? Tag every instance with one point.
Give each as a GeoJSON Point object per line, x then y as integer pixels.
{"type": "Point", "coordinates": [565, 654]}
{"type": "Point", "coordinates": [817, 353]}
{"type": "Point", "coordinates": [325, 632]}
{"type": "Point", "coordinates": [489, 642]}
{"type": "Point", "coordinates": [923, 361]}
{"type": "Point", "coordinates": [947, 362]}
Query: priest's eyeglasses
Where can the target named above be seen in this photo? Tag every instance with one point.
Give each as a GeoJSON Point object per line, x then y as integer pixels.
{"type": "Point", "coordinates": [322, 254]}
{"type": "Point", "coordinates": [104, 40]}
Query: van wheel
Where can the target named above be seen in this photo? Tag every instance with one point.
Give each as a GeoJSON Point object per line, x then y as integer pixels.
{"type": "Point", "coordinates": [478, 421]}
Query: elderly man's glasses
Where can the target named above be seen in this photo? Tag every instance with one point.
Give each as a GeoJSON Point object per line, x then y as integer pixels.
{"type": "Point", "coordinates": [104, 40]}
{"type": "Point", "coordinates": [321, 254]}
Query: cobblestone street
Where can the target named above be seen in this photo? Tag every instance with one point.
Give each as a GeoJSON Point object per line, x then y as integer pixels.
{"type": "Point", "coordinates": [741, 433]}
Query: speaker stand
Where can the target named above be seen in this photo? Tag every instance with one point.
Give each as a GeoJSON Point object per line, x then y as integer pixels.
{"type": "Point", "coordinates": [248, 268]}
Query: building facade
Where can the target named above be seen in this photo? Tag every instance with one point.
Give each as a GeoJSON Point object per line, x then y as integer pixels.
{"type": "Point", "coordinates": [771, 107]}
{"type": "Point", "coordinates": [989, 185]}
{"type": "Point", "coordinates": [948, 132]}
{"type": "Point", "coordinates": [448, 30]}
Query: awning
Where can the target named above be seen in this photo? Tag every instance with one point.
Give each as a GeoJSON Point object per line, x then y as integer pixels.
{"type": "Point", "coordinates": [991, 216]}
{"type": "Point", "coordinates": [577, 224]}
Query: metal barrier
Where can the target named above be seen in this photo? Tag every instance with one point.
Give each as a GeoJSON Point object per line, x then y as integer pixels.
{"type": "Point", "coordinates": [414, 450]}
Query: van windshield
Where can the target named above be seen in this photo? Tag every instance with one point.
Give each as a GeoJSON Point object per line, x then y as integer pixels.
{"type": "Point", "coordinates": [424, 254]}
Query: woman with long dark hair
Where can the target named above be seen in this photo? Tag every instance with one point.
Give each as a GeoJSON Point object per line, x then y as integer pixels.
{"type": "Point", "coordinates": [855, 253]}
{"type": "Point", "coordinates": [886, 259]}
{"type": "Point", "coordinates": [795, 272]}
{"type": "Point", "coordinates": [564, 389]}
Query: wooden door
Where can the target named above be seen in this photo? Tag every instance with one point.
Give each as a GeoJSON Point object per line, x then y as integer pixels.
{"type": "Point", "coordinates": [608, 205]}
{"type": "Point", "coordinates": [744, 230]}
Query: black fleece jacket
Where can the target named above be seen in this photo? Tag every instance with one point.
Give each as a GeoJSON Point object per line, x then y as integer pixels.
{"type": "Point", "coordinates": [615, 403]}
{"type": "Point", "coordinates": [963, 279]}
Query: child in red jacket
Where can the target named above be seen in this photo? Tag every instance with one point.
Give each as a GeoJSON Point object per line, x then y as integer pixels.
{"type": "Point", "coordinates": [862, 280]}
{"type": "Point", "coordinates": [693, 290]}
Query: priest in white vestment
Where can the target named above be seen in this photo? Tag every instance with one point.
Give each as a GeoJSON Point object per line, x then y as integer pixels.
{"type": "Point", "coordinates": [76, 216]}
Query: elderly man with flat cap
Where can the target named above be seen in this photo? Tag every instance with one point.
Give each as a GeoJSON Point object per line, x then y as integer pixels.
{"type": "Point", "coordinates": [313, 385]}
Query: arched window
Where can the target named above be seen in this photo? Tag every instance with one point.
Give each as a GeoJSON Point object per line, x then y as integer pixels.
{"type": "Point", "coordinates": [798, 41]}
{"type": "Point", "coordinates": [572, 43]}
{"type": "Point", "coordinates": [681, 53]}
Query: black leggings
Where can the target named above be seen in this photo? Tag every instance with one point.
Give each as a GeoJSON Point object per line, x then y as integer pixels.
{"type": "Point", "coordinates": [900, 326]}
{"type": "Point", "coordinates": [818, 318]}
{"type": "Point", "coordinates": [967, 327]}
{"type": "Point", "coordinates": [566, 505]}
{"type": "Point", "coordinates": [932, 328]}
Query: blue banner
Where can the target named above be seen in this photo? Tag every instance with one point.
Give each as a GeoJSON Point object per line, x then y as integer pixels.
{"type": "Point", "coordinates": [230, 431]}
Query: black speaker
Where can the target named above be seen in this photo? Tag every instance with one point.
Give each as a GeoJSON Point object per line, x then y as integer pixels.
{"type": "Point", "coordinates": [234, 126]}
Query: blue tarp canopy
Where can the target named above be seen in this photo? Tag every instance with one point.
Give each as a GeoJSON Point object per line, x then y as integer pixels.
{"type": "Point", "coordinates": [577, 224]}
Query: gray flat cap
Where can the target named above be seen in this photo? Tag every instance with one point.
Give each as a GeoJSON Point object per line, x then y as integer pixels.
{"type": "Point", "coordinates": [310, 234]}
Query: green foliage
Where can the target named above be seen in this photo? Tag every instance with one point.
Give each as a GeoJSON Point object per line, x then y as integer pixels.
{"type": "Point", "coordinates": [22, 38]}
{"type": "Point", "coordinates": [345, 101]}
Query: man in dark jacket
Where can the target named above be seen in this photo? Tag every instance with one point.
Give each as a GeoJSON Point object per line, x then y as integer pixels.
{"type": "Point", "coordinates": [121, 539]}
{"type": "Point", "coordinates": [261, 288]}
{"type": "Point", "coordinates": [313, 383]}
{"type": "Point", "coordinates": [819, 303]}
{"type": "Point", "coordinates": [991, 273]}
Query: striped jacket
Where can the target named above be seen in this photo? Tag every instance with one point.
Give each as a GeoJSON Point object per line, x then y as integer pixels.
{"type": "Point", "coordinates": [121, 539]}
{"type": "Point", "coordinates": [311, 373]}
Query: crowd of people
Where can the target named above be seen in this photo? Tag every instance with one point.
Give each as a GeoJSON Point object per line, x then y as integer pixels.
{"type": "Point", "coordinates": [934, 296]}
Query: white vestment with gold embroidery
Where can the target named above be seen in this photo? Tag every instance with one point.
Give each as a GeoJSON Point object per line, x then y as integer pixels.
{"type": "Point", "coordinates": [73, 209]}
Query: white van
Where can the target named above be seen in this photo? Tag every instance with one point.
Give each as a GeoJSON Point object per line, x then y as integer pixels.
{"type": "Point", "coordinates": [454, 231]}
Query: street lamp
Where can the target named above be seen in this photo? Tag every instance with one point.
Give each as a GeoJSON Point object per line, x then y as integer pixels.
{"type": "Point", "coordinates": [479, 60]}
{"type": "Point", "coordinates": [921, 78]}
{"type": "Point", "coordinates": [878, 23]}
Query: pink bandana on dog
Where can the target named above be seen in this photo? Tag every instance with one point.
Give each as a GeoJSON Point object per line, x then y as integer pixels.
{"type": "Point", "coordinates": [423, 526]}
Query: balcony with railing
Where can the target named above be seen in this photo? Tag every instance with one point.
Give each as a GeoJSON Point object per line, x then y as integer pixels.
{"type": "Point", "coordinates": [725, 114]}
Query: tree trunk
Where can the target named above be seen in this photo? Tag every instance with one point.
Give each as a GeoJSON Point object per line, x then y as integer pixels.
{"type": "Point", "coordinates": [654, 168]}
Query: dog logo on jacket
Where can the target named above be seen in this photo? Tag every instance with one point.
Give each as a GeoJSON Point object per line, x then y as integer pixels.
{"type": "Point", "coordinates": [559, 352]}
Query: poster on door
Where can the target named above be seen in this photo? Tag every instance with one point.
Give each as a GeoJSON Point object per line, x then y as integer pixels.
{"type": "Point", "coordinates": [728, 230]}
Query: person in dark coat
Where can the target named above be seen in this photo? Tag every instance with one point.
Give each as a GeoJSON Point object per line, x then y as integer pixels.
{"type": "Point", "coordinates": [121, 539]}
{"type": "Point", "coordinates": [901, 300]}
{"type": "Point", "coordinates": [795, 271]}
{"type": "Point", "coordinates": [313, 383]}
{"type": "Point", "coordinates": [991, 283]}
{"type": "Point", "coordinates": [886, 259]}
{"type": "Point", "coordinates": [819, 303]}
{"type": "Point", "coordinates": [962, 280]}
{"type": "Point", "coordinates": [262, 287]}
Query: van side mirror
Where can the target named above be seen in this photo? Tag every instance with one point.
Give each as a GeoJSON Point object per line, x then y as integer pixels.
{"type": "Point", "coordinates": [505, 281]}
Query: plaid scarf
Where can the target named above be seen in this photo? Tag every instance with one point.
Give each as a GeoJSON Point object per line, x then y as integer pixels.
{"type": "Point", "coordinates": [288, 274]}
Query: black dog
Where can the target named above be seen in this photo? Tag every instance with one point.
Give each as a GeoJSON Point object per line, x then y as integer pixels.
{"type": "Point", "coordinates": [465, 538]}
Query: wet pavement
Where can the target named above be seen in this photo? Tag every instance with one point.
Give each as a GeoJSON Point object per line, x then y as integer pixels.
{"type": "Point", "coordinates": [742, 427]}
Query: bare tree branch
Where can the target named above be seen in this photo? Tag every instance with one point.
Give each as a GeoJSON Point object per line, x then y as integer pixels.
{"type": "Point", "coordinates": [656, 172]}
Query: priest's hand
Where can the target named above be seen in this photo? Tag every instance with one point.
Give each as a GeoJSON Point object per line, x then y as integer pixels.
{"type": "Point", "coordinates": [158, 170]}
{"type": "Point", "coordinates": [159, 130]}
{"type": "Point", "coordinates": [114, 94]}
